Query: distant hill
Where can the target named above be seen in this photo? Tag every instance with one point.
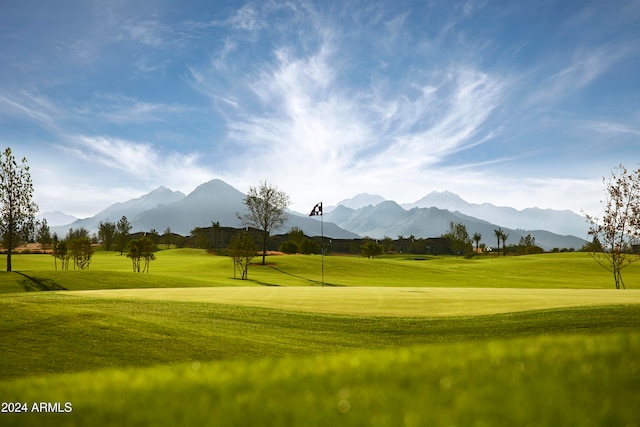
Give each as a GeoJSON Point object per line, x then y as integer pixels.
{"type": "Point", "coordinates": [210, 202]}
{"type": "Point", "coordinates": [388, 219]}
{"type": "Point", "coordinates": [560, 222]}
{"type": "Point", "coordinates": [362, 215]}
{"type": "Point", "coordinates": [359, 201]}
{"type": "Point", "coordinates": [56, 218]}
{"type": "Point", "coordinates": [130, 209]}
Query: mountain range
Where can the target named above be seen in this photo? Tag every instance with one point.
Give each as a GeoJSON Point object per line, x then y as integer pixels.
{"type": "Point", "coordinates": [563, 222]}
{"type": "Point", "coordinates": [364, 215]}
{"type": "Point", "coordinates": [392, 220]}
{"type": "Point", "coordinates": [213, 201]}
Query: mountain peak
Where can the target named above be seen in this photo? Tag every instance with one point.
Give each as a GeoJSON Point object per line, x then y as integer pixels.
{"type": "Point", "coordinates": [440, 199]}
{"type": "Point", "coordinates": [361, 200]}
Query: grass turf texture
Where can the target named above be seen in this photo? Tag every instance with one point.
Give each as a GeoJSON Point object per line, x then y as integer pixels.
{"type": "Point", "coordinates": [383, 301]}
{"type": "Point", "coordinates": [161, 361]}
{"type": "Point", "coordinates": [196, 268]}
{"type": "Point", "coordinates": [565, 380]}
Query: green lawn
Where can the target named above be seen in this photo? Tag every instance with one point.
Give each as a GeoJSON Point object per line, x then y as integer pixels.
{"type": "Point", "coordinates": [383, 301]}
{"type": "Point", "coordinates": [563, 380]}
{"type": "Point", "coordinates": [193, 268]}
{"type": "Point", "coordinates": [536, 340]}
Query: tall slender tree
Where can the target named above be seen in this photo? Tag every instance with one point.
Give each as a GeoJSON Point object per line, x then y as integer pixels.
{"type": "Point", "coordinates": [476, 238]}
{"type": "Point", "coordinates": [43, 235]}
{"type": "Point", "coordinates": [498, 234]}
{"type": "Point", "coordinates": [17, 208]}
{"type": "Point", "coordinates": [106, 234]}
{"type": "Point", "coordinates": [123, 228]}
{"type": "Point", "coordinates": [266, 211]}
{"type": "Point", "coordinates": [504, 236]}
{"type": "Point", "coordinates": [618, 230]}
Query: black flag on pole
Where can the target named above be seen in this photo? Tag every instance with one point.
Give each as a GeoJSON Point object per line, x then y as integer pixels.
{"type": "Point", "coordinates": [317, 210]}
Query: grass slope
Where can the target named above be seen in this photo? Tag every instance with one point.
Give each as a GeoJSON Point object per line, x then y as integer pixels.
{"type": "Point", "coordinates": [196, 268]}
{"type": "Point", "coordinates": [362, 352]}
{"type": "Point", "coordinates": [563, 380]}
{"type": "Point", "coordinates": [54, 333]}
{"type": "Point", "coordinates": [383, 301]}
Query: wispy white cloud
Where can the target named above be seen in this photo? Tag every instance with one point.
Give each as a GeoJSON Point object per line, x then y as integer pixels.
{"type": "Point", "coordinates": [331, 99]}
{"type": "Point", "coordinates": [585, 65]}
{"type": "Point", "coordinates": [610, 127]}
{"type": "Point", "coordinates": [295, 119]}
{"type": "Point", "coordinates": [33, 107]}
{"type": "Point", "coordinates": [296, 122]}
{"type": "Point", "coordinates": [125, 109]}
{"type": "Point", "coordinates": [139, 160]}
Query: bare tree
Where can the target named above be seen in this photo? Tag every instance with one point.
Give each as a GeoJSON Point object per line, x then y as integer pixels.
{"type": "Point", "coordinates": [242, 250]}
{"type": "Point", "coordinates": [17, 209]}
{"type": "Point", "coordinates": [618, 230]}
{"type": "Point", "coordinates": [266, 211]}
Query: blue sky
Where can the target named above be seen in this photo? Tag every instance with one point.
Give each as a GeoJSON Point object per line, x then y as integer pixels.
{"type": "Point", "coordinates": [513, 103]}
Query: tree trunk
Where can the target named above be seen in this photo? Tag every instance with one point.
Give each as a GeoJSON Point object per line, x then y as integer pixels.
{"type": "Point", "coordinates": [265, 236]}
{"type": "Point", "coordinates": [9, 242]}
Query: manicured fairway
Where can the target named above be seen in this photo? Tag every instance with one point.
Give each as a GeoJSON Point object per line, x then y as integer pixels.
{"type": "Point", "coordinates": [196, 268]}
{"type": "Point", "coordinates": [537, 381]}
{"type": "Point", "coordinates": [399, 341]}
{"type": "Point", "coordinates": [383, 301]}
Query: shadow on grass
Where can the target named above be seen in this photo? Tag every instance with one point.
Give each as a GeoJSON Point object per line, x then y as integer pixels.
{"type": "Point", "coordinates": [312, 281]}
{"type": "Point", "coordinates": [34, 284]}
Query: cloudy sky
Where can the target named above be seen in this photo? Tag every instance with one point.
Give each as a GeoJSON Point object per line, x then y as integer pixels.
{"type": "Point", "coordinates": [514, 103]}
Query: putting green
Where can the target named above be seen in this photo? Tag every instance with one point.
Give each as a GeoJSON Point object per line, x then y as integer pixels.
{"type": "Point", "coordinates": [382, 301]}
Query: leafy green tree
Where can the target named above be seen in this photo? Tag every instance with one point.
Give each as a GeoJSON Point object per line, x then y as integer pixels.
{"type": "Point", "coordinates": [17, 208]}
{"type": "Point", "coordinates": [296, 235]}
{"type": "Point", "coordinates": [527, 245]}
{"type": "Point", "coordinates": [43, 235]}
{"type": "Point", "coordinates": [266, 211]}
{"type": "Point", "coordinates": [387, 243]}
{"type": "Point", "coordinates": [527, 241]}
{"type": "Point", "coordinates": [77, 233]}
{"type": "Point", "coordinates": [460, 240]}
{"type": "Point", "coordinates": [289, 247]}
{"type": "Point", "coordinates": [106, 234]}
{"type": "Point", "coordinates": [619, 228]}
{"type": "Point", "coordinates": [141, 252]}
{"type": "Point", "coordinates": [123, 228]}
{"type": "Point", "coordinates": [167, 237]}
{"type": "Point", "coordinates": [81, 251]}
{"type": "Point", "coordinates": [309, 246]}
{"type": "Point", "coordinates": [61, 252]}
{"type": "Point", "coordinates": [371, 249]}
{"type": "Point", "coordinates": [242, 249]}
{"type": "Point", "coordinates": [295, 243]}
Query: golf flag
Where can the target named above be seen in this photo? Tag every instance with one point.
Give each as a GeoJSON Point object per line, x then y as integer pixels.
{"type": "Point", "coordinates": [317, 210]}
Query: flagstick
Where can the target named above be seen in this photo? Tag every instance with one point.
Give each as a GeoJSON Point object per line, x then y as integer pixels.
{"type": "Point", "coordinates": [322, 244]}
{"type": "Point", "coordinates": [317, 210]}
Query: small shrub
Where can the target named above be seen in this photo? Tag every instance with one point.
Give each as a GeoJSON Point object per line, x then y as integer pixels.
{"type": "Point", "coordinates": [289, 247]}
